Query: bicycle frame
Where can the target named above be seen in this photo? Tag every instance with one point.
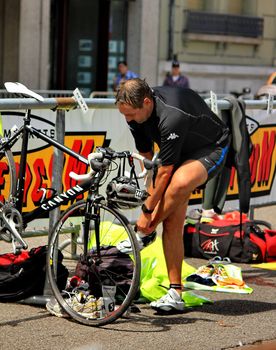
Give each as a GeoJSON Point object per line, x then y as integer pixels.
{"type": "Point", "coordinates": [56, 200]}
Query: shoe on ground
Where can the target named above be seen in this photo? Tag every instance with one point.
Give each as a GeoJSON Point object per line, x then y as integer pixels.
{"type": "Point", "coordinates": [143, 241]}
{"type": "Point", "coordinates": [209, 215]}
{"type": "Point", "coordinates": [55, 309]}
{"type": "Point", "coordinates": [193, 216]}
{"type": "Point", "coordinates": [170, 302]}
{"type": "Point", "coordinates": [87, 306]}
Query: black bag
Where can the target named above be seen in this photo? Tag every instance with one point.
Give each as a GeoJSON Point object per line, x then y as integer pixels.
{"type": "Point", "coordinates": [113, 265]}
{"type": "Point", "coordinates": [221, 238]}
{"type": "Point", "coordinates": [23, 275]}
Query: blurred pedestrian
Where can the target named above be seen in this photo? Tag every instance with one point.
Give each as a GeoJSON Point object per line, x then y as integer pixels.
{"type": "Point", "coordinates": [124, 74]}
{"type": "Point", "coordinates": [175, 78]}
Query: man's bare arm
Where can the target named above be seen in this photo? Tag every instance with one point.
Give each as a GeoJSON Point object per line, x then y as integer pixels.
{"type": "Point", "coordinates": [161, 182]}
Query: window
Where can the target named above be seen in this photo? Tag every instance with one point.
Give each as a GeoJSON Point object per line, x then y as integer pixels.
{"type": "Point", "coordinates": [223, 24]}
{"type": "Point", "coordinates": [117, 38]}
{"type": "Point", "coordinates": [88, 39]}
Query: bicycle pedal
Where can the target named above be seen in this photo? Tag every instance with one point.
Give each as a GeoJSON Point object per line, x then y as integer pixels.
{"type": "Point", "coordinates": [5, 235]}
{"type": "Point", "coordinates": [18, 247]}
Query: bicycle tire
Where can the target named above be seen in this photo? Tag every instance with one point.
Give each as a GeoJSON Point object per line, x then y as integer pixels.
{"type": "Point", "coordinates": [8, 176]}
{"type": "Point", "coordinates": [113, 227]}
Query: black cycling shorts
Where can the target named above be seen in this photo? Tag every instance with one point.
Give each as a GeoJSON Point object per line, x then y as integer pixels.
{"type": "Point", "coordinates": [213, 158]}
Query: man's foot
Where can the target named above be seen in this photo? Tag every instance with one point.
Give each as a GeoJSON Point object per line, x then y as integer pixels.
{"type": "Point", "coordinates": [170, 302]}
{"type": "Point", "coordinates": [143, 241]}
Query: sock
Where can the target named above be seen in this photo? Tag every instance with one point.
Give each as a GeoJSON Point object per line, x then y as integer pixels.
{"type": "Point", "coordinates": [178, 288]}
{"type": "Point", "coordinates": [141, 234]}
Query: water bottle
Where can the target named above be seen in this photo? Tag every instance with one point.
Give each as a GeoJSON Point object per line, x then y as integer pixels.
{"type": "Point", "coordinates": [109, 291]}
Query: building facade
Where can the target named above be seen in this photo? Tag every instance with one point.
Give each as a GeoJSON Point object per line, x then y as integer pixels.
{"type": "Point", "coordinates": [61, 44]}
{"type": "Point", "coordinates": [222, 45]}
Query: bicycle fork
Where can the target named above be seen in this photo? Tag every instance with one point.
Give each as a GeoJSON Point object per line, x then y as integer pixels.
{"type": "Point", "coordinates": [92, 219]}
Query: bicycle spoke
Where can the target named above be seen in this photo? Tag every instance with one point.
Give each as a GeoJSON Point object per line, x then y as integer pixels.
{"type": "Point", "coordinates": [83, 300]}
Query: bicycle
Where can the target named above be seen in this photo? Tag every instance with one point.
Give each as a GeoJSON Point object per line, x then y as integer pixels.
{"type": "Point", "coordinates": [12, 220]}
{"type": "Point", "coordinates": [89, 224]}
{"type": "Point", "coordinates": [101, 224]}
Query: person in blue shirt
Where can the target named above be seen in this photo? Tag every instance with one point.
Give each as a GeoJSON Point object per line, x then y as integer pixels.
{"type": "Point", "coordinates": [124, 74]}
{"type": "Point", "coordinates": [175, 78]}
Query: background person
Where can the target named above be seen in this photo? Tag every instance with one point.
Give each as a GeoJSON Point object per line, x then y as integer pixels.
{"type": "Point", "coordinates": [175, 78]}
{"type": "Point", "coordinates": [193, 145]}
{"type": "Point", "coordinates": [123, 75]}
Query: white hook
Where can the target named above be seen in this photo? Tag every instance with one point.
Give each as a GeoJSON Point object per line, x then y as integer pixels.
{"type": "Point", "coordinates": [270, 100]}
{"type": "Point", "coordinates": [214, 102]}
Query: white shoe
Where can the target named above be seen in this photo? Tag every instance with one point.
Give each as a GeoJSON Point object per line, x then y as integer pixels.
{"type": "Point", "coordinates": [87, 306]}
{"type": "Point", "coordinates": [209, 215]}
{"type": "Point", "coordinates": [193, 216]}
{"type": "Point", "coordinates": [143, 241]}
{"type": "Point", "coordinates": [170, 302]}
{"type": "Point", "coordinates": [55, 309]}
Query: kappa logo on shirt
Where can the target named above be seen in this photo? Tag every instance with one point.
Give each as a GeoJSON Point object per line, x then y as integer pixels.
{"type": "Point", "coordinates": [172, 136]}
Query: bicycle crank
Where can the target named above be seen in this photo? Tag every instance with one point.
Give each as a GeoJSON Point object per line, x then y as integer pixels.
{"type": "Point", "coordinates": [11, 227]}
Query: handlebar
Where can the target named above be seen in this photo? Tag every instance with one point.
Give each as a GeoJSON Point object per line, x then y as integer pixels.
{"type": "Point", "coordinates": [101, 159]}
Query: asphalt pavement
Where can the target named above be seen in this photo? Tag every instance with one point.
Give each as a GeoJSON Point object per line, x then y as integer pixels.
{"type": "Point", "coordinates": [232, 321]}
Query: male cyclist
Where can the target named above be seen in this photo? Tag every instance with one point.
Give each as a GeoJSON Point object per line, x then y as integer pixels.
{"type": "Point", "coordinates": [193, 145]}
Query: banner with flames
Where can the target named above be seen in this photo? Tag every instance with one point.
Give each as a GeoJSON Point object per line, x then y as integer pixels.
{"type": "Point", "coordinates": [102, 127]}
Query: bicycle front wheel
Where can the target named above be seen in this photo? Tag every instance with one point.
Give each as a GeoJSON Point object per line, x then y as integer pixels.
{"type": "Point", "coordinates": [7, 176]}
{"type": "Point", "coordinates": [85, 296]}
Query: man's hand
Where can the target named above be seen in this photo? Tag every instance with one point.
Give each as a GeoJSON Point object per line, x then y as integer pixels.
{"type": "Point", "coordinates": [143, 224]}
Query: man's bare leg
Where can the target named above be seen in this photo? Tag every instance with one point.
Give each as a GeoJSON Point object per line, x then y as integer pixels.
{"type": "Point", "coordinates": [172, 211]}
{"type": "Point", "coordinates": [173, 244]}
{"type": "Point", "coordinates": [186, 179]}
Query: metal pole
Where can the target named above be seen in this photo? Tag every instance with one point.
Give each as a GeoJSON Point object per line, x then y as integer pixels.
{"type": "Point", "coordinates": [171, 29]}
{"type": "Point", "coordinates": [54, 214]}
{"type": "Point", "coordinates": [56, 178]}
{"type": "Point", "coordinates": [63, 103]}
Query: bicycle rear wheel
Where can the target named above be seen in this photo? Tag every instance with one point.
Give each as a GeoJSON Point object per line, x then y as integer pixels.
{"type": "Point", "coordinates": [83, 300]}
{"type": "Point", "coordinates": [7, 176]}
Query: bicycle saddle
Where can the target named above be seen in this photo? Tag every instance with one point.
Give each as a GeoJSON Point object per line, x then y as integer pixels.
{"type": "Point", "coordinates": [18, 88]}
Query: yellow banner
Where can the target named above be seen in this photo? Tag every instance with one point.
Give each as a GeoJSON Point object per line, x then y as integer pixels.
{"type": "Point", "coordinates": [39, 166]}
{"type": "Point", "coordinates": [1, 126]}
{"type": "Point", "coordinates": [262, 165]}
